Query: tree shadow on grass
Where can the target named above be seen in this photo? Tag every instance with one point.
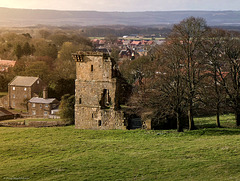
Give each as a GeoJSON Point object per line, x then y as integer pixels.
{"type": "Point", "coordinates": [206, 126]}
{"type": "Point", "coordinates": [215, 131]}
{"type": "Point", "coordinates": [213, 125]}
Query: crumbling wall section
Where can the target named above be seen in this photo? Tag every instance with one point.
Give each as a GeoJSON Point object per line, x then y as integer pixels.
{"type": "Point", "coordinates": [96, 118]}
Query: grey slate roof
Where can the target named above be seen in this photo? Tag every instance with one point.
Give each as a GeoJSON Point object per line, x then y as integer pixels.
{"type": "Point", "coordinates": [23, 81]}
{"type": "Point", "coordinates": [42, 100]}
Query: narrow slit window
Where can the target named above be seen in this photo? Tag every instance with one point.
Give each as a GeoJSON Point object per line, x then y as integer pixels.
{"type": "Point", "coordinates": [80, 100]}
{"type": "Point", "coordinates": [91, 68]}
{"type": "Point", "coordinates": [99, 123]}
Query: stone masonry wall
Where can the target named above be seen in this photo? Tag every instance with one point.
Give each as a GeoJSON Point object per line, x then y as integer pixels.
{"type": "Point", "coordinates": [96, 94]}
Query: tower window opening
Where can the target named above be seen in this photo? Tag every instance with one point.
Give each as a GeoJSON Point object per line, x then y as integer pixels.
{"type": "Point", "coordinates": [106, 99]}
{"type": "Point", "coordinates": [91, 68]}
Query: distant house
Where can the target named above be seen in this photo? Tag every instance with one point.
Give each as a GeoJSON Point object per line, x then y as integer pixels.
{"type": "Point", "coordinates": [102, 49]}
{"type": "Point", "coordinates": [125, 53]}
{"type": "Point", "coordinates": [95, 41]}
{"type": "Point", "coordinates": [126, 42]}
{"type": "Point", "coordinates": [21, 89]}
{"type": "Point", "coordinates": [43, 107]}
{"type": "Point", "coordinates": [102, 42]}
{"type": "Point", "coordinates": [142, 52]}
{"type": "Point", "coordinates": [6, 64]}
{"type": "Point", "coordinates": [159, 42]}
{"type": "Point", "coordinates": [135, 43]}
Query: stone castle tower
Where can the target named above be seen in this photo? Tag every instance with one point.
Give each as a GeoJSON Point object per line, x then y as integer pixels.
{"type": "Point", "coordinates": [97, 92]}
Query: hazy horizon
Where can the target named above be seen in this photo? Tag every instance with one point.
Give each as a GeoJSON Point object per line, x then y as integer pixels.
{"type": "Point", "coordinates": [125, 5]}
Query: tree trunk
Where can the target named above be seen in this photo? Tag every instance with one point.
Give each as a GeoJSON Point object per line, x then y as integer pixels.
{"type": "Point", "coordinates": [190, 119]}
{"type": "Point", "coordinates": [218, 116]}
{"type": "Point", "coordinates": [179, 123]}
{"type": "Point", "coordinates": [237, 117]}
{"type": "Point", "coordinates": [218, 120]}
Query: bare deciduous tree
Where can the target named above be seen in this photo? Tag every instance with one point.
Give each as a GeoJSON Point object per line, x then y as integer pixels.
{"type": "Point", "coordinates": [189, 36]}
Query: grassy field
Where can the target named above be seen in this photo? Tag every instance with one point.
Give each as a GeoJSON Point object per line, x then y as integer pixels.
{"type": "Point", "coordinates": [227, 120]}
{"type": "Point", "coordinates": [65, 153]}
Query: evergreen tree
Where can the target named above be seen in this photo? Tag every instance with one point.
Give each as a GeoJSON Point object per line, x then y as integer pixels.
{"type": "Point", "coordinates": [26, 49]}
{"type": "Point", "coordinates": [18, 51]}
{"type": "Point", "coordinates": [67, 108]}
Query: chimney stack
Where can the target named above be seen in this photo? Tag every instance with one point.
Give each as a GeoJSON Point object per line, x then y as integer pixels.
{"type": "Point", "coordinates": [45, 93]}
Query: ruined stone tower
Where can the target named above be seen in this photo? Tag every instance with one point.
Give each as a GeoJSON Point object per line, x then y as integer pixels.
{"type": "Point", "coordinates": [96, 92]}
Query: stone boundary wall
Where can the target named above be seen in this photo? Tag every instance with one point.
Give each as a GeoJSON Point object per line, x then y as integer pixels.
{"type": "Point", "coordinates": [36, 124]}
{"type": "Point", "coordinates": [6, 117]}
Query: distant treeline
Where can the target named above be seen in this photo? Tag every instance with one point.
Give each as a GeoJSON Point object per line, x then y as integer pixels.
{"type": "Point", "coordinates": [163, 30]}
{"type": "Point", "coordinates": [229, 28]}
{"type": "Point", "coordinates": [102, 31]}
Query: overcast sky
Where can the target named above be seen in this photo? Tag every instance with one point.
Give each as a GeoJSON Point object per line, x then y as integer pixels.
{"type": "Point", "coordinates": [123, 5]}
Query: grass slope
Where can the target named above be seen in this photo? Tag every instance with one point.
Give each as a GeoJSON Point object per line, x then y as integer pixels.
{"type": "Point", "coordinates": [65, 153]}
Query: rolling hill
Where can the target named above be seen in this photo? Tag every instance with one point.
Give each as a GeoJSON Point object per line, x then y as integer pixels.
{"type": "Point", "coordinates": [28, 17]}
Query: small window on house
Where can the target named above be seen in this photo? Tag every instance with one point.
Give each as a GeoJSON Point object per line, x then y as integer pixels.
{"type": "Point", "coordinates": [33, 112]}
{"type": "Point", "coordinates": [33, 105]}
{"type": "Point", "coordinates": [99, 123]}
{"type": "Point", "coordinates": [45, 113]}
{"type": "Point", "coordinates": [46, 105]}
{"type": "Point", "coordinates": [91, 68]}
{"type": "Point", "coordinates": [25, 89]}
{"type": "Point", "coordinates": [92, 116]}
{"type": "Point", "coordinates": [13, 96]}
{"type": "Point", "coordinates": [13, 104]}
{"type": "Point", "coordinates": [40, 106]}
{"type": "Point", "coordinates": [13, 88]}
{"type": "Point", "coordinates": [80, 100]}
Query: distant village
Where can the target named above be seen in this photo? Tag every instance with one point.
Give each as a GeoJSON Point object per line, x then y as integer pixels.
{"type": "Point", "coordinates": [130, 46]}
{"type": "Point", "coordinates": [28, 95]}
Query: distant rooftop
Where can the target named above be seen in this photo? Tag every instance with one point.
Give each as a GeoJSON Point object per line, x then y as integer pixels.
{"type": "Point", "coordinates": [42, 100]}
{"type": "Point", "coordinates": [5, 64]}
{"type": "Point", "coordinates": [23, 81]}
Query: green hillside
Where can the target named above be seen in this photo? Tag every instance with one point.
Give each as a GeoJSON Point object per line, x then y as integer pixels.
{"type": "Point", "coordinates": [65, 153]}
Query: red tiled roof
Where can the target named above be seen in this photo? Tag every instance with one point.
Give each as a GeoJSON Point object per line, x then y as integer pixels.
{"type": "Point", "coordinates": [102, 41]}
{"type": "Point", "coordinates": [150, 42]}
{"type": "Point", "coordinates": [5, 64]}
{"type": "Point", "coordinates": [95, 40]}
{"type": "Point", "coordinates": [136, 42]}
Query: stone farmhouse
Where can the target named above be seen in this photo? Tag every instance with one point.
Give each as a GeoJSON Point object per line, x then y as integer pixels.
{"type": "Point", "coordinates": [97, 92]}
{"type": "Point", "coordinates": [30, 93]}
{"type": "Point", "coordinates": [43, 107]}
{"type": "Point", "coordinates": [20, 90]}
